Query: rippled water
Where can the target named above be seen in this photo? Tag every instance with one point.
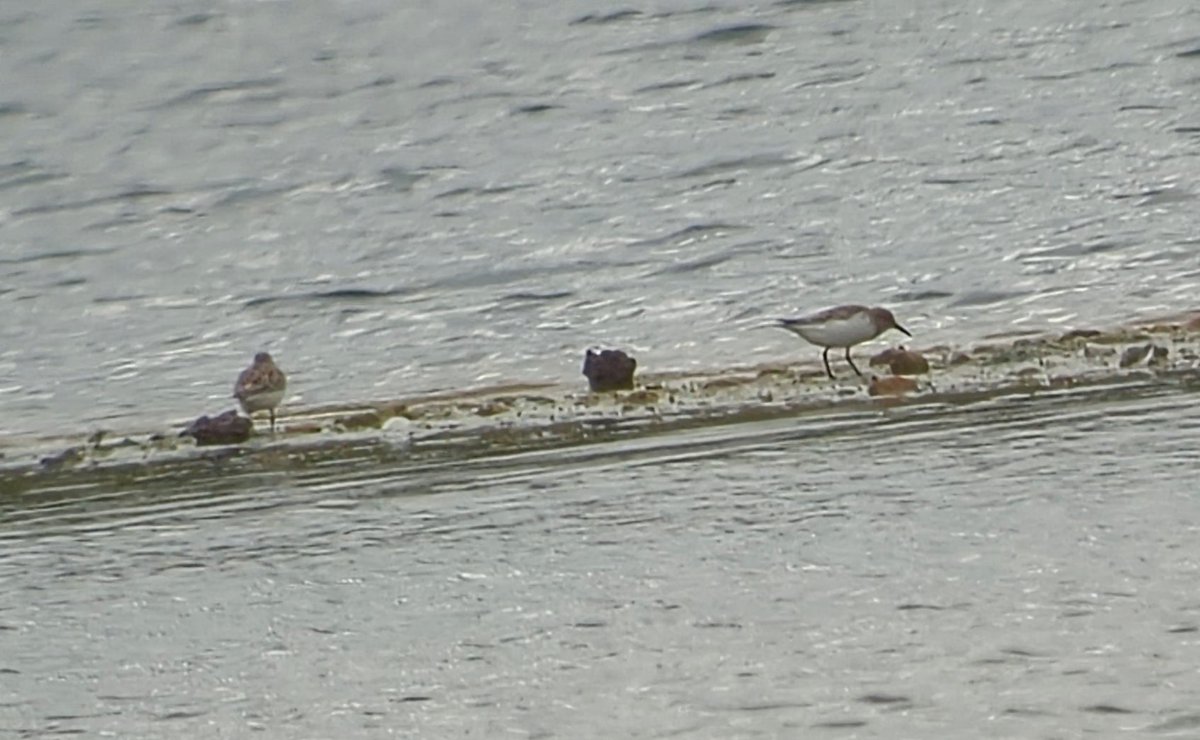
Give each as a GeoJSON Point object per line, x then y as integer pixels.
{"type": "Point", "coordinates": [398, 199]}
{"type": "Point", "coordinates": [394, 199]}
{"type": "Point", "coordinates": [1016, 568]}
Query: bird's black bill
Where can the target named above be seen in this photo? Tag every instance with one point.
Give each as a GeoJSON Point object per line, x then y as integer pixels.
{"type": "Point", "coordinates": [901, 328]}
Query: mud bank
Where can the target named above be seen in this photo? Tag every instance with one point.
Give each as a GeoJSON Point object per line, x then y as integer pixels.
{"type": "Point", "coordinates": [504, 419]}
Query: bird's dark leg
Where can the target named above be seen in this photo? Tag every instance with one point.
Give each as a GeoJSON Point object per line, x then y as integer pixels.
{"type": "Point", "coordinates": [272, 413]}
{"type": "Point", "coordinates": [825, 357]}
{"type": "Point", "coordinates": [852, 365]}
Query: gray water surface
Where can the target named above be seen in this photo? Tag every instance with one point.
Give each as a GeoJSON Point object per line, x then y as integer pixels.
{"type": "Point", "coordinates": [1017, 568]}
{"type": "Point", "coordinates": [396, 199]}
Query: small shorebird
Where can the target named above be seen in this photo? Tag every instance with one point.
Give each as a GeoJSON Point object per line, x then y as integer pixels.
{"type": "Point", "coordinates": [842, 326]}
{"type": "Point", "coordinates": [260, 387]}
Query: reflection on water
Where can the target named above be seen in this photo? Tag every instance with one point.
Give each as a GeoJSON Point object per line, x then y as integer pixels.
{"type": "Point", "coordinates": [918, 571]}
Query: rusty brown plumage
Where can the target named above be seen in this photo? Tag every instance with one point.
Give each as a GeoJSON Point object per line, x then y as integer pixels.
{"type": "Point", "coordinates": [261, 386]}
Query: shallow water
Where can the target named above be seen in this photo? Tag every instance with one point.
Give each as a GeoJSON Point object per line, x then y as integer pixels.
{"type": "Point", "coordinates": [396, 200]}
{"type": "Point", "coordinates": [1014, 568]}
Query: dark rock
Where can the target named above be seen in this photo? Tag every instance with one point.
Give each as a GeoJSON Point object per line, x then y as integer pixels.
{"type": "Point", "coordinates": [66, 458]}
{"type": "Point", "coordinates": [1080, 334]}
{"type": "Point", "coordinates": [227, 428]}
{"type": "Point", "coordinates": [1135, 354]}
{"type": "Point", "coordinates": [609, 370]}
{"type": "Point", "coordinates": [1152, 354]}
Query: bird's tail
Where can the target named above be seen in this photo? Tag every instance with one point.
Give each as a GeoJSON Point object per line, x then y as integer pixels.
{"type": "Point", "coordinates": [772, 324]}
{"type": "Point", "coordinates": [790, 324]}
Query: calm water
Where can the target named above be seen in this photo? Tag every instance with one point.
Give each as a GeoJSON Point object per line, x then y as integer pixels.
{"type": "Point", "coordinates": [1018, 568]}
{"type": "Point", "coordinates": [396, 199]}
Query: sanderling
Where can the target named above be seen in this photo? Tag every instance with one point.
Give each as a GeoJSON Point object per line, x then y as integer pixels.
{"type": "Point", "coordinates": [260, 387]}
{"type": "Point", "coordinates": [842, 326]}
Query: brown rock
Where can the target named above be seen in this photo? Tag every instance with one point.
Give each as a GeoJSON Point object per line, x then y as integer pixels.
{"type": "Point", "coordinates": [647, 397]}
{"type": "Point", "coordinates": [491, 408]}
{"type": "Point", "coordinates": [227, 428]}
{"type": "Point", "coordinates": [1080, 334]}
{"type": "Point", "coordinates": [893, 386]}
{"type": "Point", "coordinates": [901, 361]}
{"type": "Point", "coordinates": [609, 370]}
{"type": "Point", "coordinates": [369, 419]}
{"type": "Point", "coordinates": [1193, 324]}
